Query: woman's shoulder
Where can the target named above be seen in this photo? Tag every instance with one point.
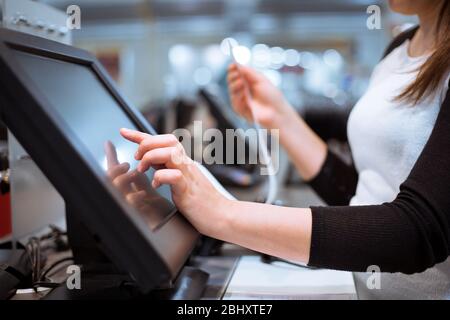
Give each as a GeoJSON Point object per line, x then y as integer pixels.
{"type": "Point", "coordinates": [400, 39]}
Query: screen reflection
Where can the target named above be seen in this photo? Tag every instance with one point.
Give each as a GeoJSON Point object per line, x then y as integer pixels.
{"type": "Point", "coordinates": [136, 189]}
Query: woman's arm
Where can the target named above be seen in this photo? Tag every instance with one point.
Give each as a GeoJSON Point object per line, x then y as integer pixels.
{"type": "Point", "coordinates": [305, 148]}
{"type": "Point", "coordinates": [407, 235]}
{"type": "Point", "coordinates": [280, 231]}
{"type": "Point", "coordinates": [330, 177]}
{"type": "Point", "coordinates": [333, 180]}
{"type": "Point", "coordinates": [336, 181]}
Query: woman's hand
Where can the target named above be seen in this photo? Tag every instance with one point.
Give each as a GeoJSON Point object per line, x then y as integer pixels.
{"type": "Point", "coordinates": [278, 231]}
{"type": "Point", "coordinates": [192, 193]}
{"type": "Point", "coordinates": [250, 89]}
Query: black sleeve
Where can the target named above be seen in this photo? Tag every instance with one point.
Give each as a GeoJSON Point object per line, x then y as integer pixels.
{"type": "Point", "coordinates": [328, 122]}
{"type": "Point", "coordinates": [336, 182]}
{"type": "Point", "coordinates": [409, 234]}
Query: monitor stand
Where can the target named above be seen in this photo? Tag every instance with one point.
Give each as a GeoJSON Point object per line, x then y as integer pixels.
{"type": "Point", "coordinates": [101, 279]}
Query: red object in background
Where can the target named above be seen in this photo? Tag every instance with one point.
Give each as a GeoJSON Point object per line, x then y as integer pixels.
{"type": "Point", "coordinates": [5, 215]}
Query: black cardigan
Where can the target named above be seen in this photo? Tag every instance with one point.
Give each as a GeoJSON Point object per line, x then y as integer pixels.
{"type": "Point", "coordinates": [409, 234]}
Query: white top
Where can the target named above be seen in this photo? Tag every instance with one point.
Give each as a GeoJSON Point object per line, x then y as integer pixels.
{"type": "Point", "coordinates": [386, 137]}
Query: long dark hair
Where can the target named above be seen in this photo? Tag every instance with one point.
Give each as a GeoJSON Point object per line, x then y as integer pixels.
{"type": "Point", "coordinates": [432, 72]}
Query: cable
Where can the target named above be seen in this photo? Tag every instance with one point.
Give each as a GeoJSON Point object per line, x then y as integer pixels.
{"type": "Point", "coordinates": [34, 250]}
{"type": "Point", "coordinates": [265, 258]}
{"type": "Point", "coordinates": [45, 285]}
{"type": "Point", "coordinates": [55, 264]}
{"type": "Point", "coordinates": [273, 184]}
{"type": "Point", "coordinates": [267, 160]}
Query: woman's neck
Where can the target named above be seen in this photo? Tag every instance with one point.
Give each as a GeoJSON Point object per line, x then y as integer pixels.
{"type": "Point", "coordinates": [424, 40]}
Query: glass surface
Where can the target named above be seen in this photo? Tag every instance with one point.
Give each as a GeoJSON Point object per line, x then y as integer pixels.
{"type": "Point", "coordinates": [89, 111]}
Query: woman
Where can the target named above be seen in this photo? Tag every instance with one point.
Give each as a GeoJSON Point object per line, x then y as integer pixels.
{"type": "Point", "coordinates": [399, 192]}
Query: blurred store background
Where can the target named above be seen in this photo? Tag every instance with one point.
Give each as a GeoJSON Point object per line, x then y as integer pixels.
{"type": "Point", "coordinates": [319, 52]}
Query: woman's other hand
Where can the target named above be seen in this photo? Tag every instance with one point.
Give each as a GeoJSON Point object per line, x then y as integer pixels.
{"type": "Point", "coordinates": [249, 89]}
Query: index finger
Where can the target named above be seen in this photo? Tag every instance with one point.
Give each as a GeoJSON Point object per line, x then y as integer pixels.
{"type": "Point", "coordinates": [133, 135]}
